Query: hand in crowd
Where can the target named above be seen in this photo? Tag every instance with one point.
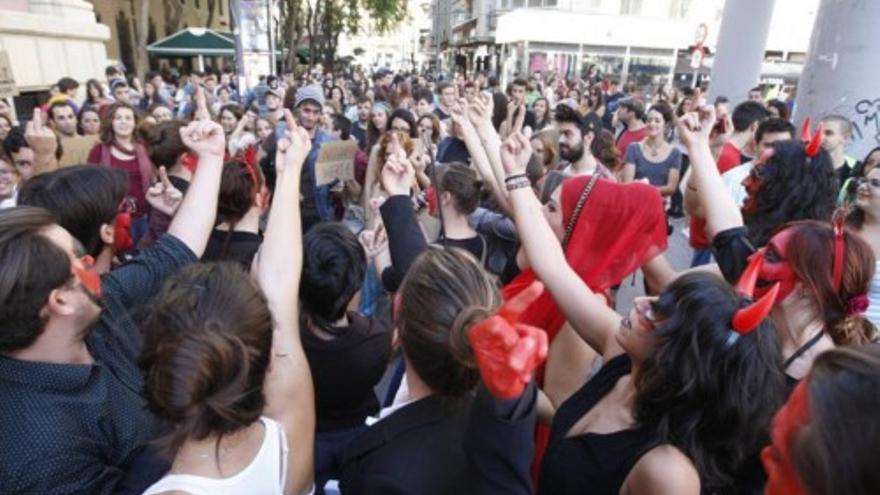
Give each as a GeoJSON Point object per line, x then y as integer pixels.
{"type": "Point", "coordinates": [163, 196]}
{"type": "Point", "coordinates": [201, 112]}
{"type": "Point", "coordinates": [481, 110]}
{"type": "Point", "coordinates": [516, 152]}
{"type": "Point", "coordinates": [374, 241]}
{"type": "Point", "coordinates": [204, 137]}
{"type": "Point", "coordinates": [695, 127]}
{"type": "Point", "coordinates": [294, 147]}
{"type": "Point", "coordinates": [398, 173]}
{"type": "Point", "coordinates": [40, 137]}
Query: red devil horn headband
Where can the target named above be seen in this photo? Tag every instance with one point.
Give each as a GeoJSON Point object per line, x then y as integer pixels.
{"type": "Point", "coordinates": [814, 142]}
{"type": "Point", "coordinates": [747, 319]}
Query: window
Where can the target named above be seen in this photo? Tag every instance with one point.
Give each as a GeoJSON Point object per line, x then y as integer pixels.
{"type": "Point", "coordinates": [678, 9]}
{"type": "Point", "coordinates": [630, 7]}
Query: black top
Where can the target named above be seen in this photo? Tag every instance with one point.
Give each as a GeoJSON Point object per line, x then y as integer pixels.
{"type": "Point", "coordinates": [415, 450]}
{"type": "Point", "coordinates": [474, 245]}
{"type": "Point", "coordinates": [441, 115]}
{"type": "Point", "coordinates": [345, 370]}
{"type": "Point", "coordinates": [405, 238]}
{"type": "Point", "coordinates": [731, 249]}
{"type": "Point", "coordinates": [595, 463]}
{"type": "Point", "coordinates": [360, 134]}
{"type": "Point", "coordinates": [451, 149]}
{"type": "Point", "coordinates": [70, 428]}
{"type": "Point", "coordinates": [241, 247]}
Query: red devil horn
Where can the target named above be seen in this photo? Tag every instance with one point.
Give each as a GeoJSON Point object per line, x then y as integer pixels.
{"type": "Point", "coordinates": [747, 319]}
{"type": "Point", "coordinates": [805, 130]}
{"type": "Point", "coordinates": [812, 148]}
{"type": "Point", "coordinates": [746, 283]}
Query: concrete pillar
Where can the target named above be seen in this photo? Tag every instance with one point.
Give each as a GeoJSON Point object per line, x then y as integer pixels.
{"type": "Point", "coordinates": [742, 41]}
{"type": "Point", "coordinates": [840, 76]}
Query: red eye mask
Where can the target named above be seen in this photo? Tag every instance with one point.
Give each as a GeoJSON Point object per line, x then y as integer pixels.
{"type": "Point", "coordinates": [90, 280]}
{"type": "Point", "coordinates": [431, 198]}
{"type": "Point", "coordinates": [777, 270]}
{"type": "Point", "coordinates": [508, 352]}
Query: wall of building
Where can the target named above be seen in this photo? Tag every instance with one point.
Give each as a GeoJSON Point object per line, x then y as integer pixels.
{"type": "Point", "coordinates": [119, 16]}
{"type": "Point", "coordinates": [50, 39]}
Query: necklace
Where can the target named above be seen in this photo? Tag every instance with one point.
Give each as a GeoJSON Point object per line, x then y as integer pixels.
{"type": "Point", "coordinates": [653, 151]}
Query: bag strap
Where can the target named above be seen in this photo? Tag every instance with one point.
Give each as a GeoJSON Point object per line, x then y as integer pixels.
{"type": "Point", "coordinates": [569, 229]}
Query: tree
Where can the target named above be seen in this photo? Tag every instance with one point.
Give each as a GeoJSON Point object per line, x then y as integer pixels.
{"type": "Point", "coordinates": [323, 21]}
{"type": "Point", "coordinates": [212, 4]}
{"type": "Point", "coordinates": [173, 14]}
{"type": "Point", "coordinates": [140, 13]}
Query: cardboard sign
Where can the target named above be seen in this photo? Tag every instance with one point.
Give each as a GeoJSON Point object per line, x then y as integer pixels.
{"type": "Point", "coordinates": [7, 81]}
{"type": "Point", "coordinates": [335, 161]}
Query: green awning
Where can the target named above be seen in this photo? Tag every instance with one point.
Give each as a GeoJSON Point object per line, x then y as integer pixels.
{"type": "Point", "coordinates": [194, 41]}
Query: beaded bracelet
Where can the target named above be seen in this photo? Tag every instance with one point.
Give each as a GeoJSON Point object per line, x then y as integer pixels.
{"type": "Point", "coordinates": [517, 182]}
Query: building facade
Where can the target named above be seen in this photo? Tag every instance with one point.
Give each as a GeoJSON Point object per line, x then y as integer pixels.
{"type": "Point", "coordinates": [645, 41]}
{"type": "Point", "coordinates": [405, 48]}
{"type": "Point", "coordinates": [166, 18]}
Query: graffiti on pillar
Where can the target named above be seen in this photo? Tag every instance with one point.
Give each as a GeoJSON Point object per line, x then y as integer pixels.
{"type": "Point", "coordinates": [866, 123]}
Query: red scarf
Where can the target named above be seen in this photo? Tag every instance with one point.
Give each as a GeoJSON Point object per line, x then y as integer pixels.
{"type": "Point", "coordinates": [619, 228]}
{"type": "Point", "coordinates": [139, 152]}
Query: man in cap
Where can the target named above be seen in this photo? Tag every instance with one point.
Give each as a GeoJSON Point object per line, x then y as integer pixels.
{"type": "Point", "coordinates": [631, 113]}
{"type": "Point", "coordinates": [308, 108]}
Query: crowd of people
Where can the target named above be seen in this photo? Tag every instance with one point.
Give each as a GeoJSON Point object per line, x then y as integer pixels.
{"type": "Point", "coordinates": [186, 308]}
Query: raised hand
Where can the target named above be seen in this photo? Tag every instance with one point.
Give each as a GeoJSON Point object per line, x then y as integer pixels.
{"type": "Point", "coordinates": [374, 241]}
{"type": "Point", "coordinates": [163, 196]}
{"type": "Point", "coordinates": [695, 127]}
{"type": "Point", "coordinates": [201, 112]}
{"type": "Point", "coordinates": [481, 109]}
{"type": "Point", "coordinates": [459, 112]}
{"type": "Point", "coordinates": [398, 173]}
{"type": "Point", "coordinates": [204, 137]}
{"type": "Point", "coordinates": [293, 147]}
{"type": "Point", "coordinates": [515, 153]}
{"type": "Point", "coordinates": [40, 138]}
{"type": "Point", "coordinates": [507, 352]}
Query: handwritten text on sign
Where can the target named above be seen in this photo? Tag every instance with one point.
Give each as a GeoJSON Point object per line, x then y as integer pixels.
{"type": "Point", "coordinates": [335, 161]}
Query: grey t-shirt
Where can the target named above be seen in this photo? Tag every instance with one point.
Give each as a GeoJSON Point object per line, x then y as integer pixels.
{"type": "Point", "coordinates": [657, 173]}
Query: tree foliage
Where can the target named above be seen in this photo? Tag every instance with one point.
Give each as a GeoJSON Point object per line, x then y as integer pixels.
{"type": "Point", "coordinates": [319, 23]}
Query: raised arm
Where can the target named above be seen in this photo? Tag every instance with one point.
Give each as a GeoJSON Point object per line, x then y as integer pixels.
{"type": "Point", "coordinates": [43, 142]}
{"type": "Point", "coordinates": [671, 183]}
{"type": "Point", "coordinates": [471, 138]}
{"type": "Point", "coordinates": [480, 114]}
{"type": "Point", "coordinates": [586, 311]}
{"type": "Point", "coordinates": [718, 206]}
{"type": "Point", "coordinates": [195, 218]}
{"type": "Point", "coordinates": [288, 388]}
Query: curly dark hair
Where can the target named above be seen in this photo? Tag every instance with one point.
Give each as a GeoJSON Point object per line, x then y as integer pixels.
{"type": "Point", "coordinates": [792, 187]}
{"type": "Point", "coordinates": [711, 398]}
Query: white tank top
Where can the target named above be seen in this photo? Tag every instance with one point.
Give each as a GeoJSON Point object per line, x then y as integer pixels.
{"type": "Point", "coordinates": [265, 475]}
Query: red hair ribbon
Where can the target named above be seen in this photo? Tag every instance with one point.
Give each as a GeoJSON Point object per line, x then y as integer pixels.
{"type": "Point", "coordinates": [839, 251]}
{"type": "Point", "coordinates": [747, 319]}
{"type": "Point", "coordinates": [508, 352]}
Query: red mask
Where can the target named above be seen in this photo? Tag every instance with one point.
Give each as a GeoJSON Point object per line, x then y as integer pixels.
{"type": "Point", "coordinates": [122, 240]}
{"type": "Point", "coordinates": [752, 185]}
{"type": "Point", "coordinates": [91, 281]}
{"type": "Point", "coordinates": [776, 267]}
{"type": "Point", "coordinates": [431, 198]}
{"type": "Point", "coordinates": [507, 352]}
{"type": "Point", "coordinates": [782, 478]}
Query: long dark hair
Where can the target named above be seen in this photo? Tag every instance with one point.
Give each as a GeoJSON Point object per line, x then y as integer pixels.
{"type": "Point", "coordinates": [856, 217]}
{"type": "Point", "coordinates": [710, 397]}
{"type": "Point", "coordinates": [107, 135]}
{"type": "Point", "coordinates": [792, 187]}
{"type": "Point", "coordinates": [239, 185]}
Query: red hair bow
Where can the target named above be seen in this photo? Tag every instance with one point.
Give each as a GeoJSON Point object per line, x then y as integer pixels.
{"type": "Point", "coordinates": [507, 352]}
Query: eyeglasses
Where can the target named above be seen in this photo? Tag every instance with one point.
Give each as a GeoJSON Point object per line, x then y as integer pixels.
{"type": "Point", "coordinates": [874, 183]}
